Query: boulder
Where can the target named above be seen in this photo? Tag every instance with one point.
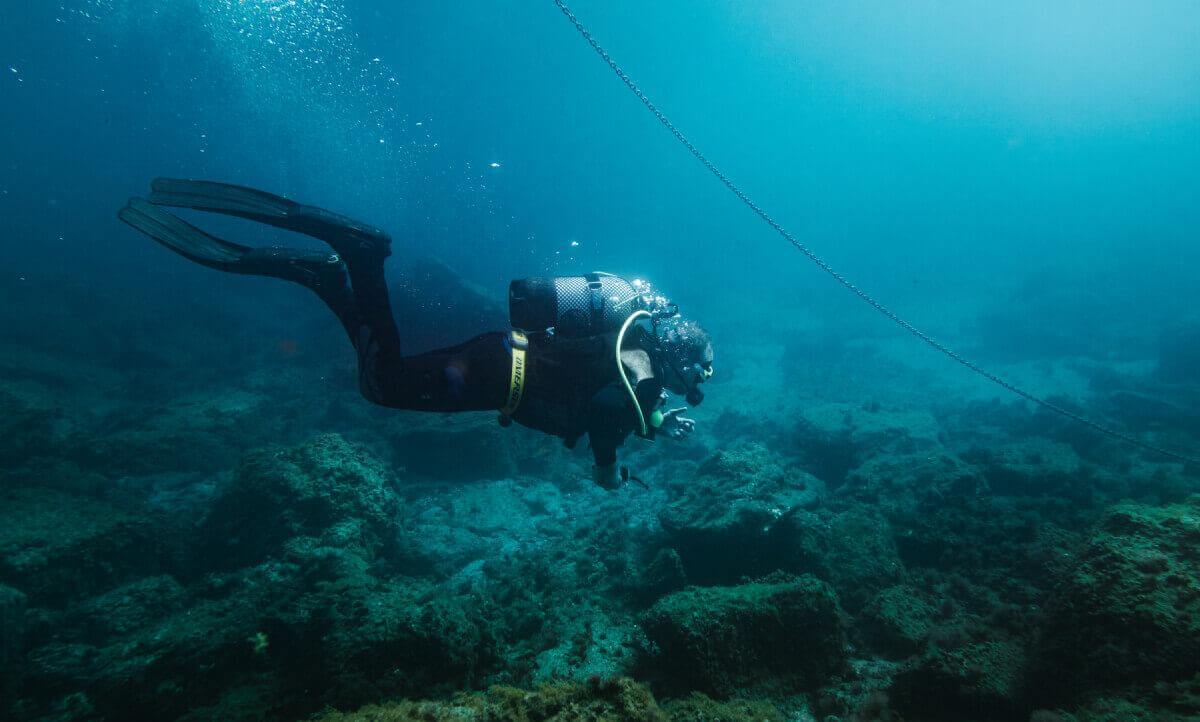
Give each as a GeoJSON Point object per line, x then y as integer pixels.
{"type": "Point", "coordinates": [977, 681]}
{"type": "Point", "coordinates": [60, 547]}
{"type": "Point", "coordinates": [782, 634]}
{"type": "Point", "coordinates": [12, 623]}
{"type": "Point", "coordinates": [722, 524]}
{"type": "Point", "coordinates": [324, 487]}
{"type": "Point", "coordinates": [155, 671]}
{"type": "Point", "coordinates": [1032, 466]}
{"type": "Point", "coordinates": [1127, 613]}
{"type": "Point", "coordinates": [898, 620]}
{"type": "Point", "coordinates": [832, 439]}
{"type": "Point", "coordinates": [26, 432]}
{"type": "Point", "coordinates": [600, 645]}
{"type": "Point", "coordinates": [1154, 413]}
{"type": "Point", "coordinates": [597, 699]}
{"type": "Point", "coordinates": [663, 575]}
{"type": "Point", "coordinates": [128, 608]}
{"type": "Point", "coordinates": [897, 484]}
{"type": "Point", "coordinates": [853, 550]}
{"type": "Point", "coordinates": [286, 637]}
{"type": "Point", "coordinates": [349, 645]}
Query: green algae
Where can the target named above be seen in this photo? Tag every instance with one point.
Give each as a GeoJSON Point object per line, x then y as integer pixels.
{"type": "Point", "coordinates": [617, 700]}
{"type": "Point", "coordinates": [781, 632]}
{"type": "Point", "coordinates": [596, 701]}
{"type": "Point", "coordinates": [1128, 613]}
{"type": "Point", "coordinates": [899, 618]}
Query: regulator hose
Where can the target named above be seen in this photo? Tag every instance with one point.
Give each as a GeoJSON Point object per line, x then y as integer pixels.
{"type": "Point", "coordinates": [637, 407]}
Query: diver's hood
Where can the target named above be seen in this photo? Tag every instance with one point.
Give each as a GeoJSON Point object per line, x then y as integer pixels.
{"type": "Point", "coordinates": [685, 354]}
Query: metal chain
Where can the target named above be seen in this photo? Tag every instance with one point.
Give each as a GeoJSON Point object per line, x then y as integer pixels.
{"type": "Point", "coordinates": [846, 283]}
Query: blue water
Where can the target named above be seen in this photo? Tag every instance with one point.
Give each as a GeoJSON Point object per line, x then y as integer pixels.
{"type": "Point", "coordinates": [1016, 179]}
{"type": "Point", "coordinates": [937, 154]}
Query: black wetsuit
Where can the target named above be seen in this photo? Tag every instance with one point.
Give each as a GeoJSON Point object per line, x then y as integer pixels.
{"type": "Point", "coordinates": [572, 386]}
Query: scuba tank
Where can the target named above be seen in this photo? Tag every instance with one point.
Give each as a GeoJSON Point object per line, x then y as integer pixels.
{"type": "Point", "coordinates": [575, 306]}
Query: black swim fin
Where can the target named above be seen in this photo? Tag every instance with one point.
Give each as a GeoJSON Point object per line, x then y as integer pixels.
{"type": "Point", "coordinates": [315, 269]}
{"type": "Point", "coordinates": [352, 239]}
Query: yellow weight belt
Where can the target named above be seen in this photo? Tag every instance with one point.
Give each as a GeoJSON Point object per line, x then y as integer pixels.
{"type": "Point", "coordinates": [516, 383]}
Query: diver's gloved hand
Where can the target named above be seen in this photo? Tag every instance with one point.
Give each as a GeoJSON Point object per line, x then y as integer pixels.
{"type": "Point", "coordinates": [676, 425]}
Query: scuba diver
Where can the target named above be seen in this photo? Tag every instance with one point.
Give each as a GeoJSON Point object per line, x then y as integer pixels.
{"type": "Point", "coordinates": [592, 354]}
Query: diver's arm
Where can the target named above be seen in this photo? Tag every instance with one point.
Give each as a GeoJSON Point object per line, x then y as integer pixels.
{"type": "Point", "coordinates": [612, 418]}
{"type": "Point", "coordinates": [604, 440]}
{"type": "Point", "coordinates": [653, 398]}
{"type": "Point", "coordinates": [609, 423]}
{"type": "Point", "coordinates": [607, 477]}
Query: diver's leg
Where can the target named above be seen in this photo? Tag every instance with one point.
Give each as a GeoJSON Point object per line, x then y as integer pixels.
{"type": "Point", "coordinates": [322, 272]}
{"type": "Point", "coordinates": [381, 363]}
{"type": "Point", "coordinates": [362, 247]}
{"type": "Point", "coordinates": [472, 376]}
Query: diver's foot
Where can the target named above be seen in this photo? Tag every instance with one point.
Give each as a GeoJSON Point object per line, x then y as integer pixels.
{"type": "Point", "coordinates": [352, 240]}
{"type": "Point", "coordinates": [318, 270]}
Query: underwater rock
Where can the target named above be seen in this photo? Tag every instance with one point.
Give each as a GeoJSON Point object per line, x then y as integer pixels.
{"type": "Point", "coordinates": [448, 535]}
{"type": "Point", "coordinates": [598, 699]}
{"type": "Point", "coordinates": [26, 432]}
{"type": "Point", "coordinates": [60, 474]}
{"type": "Point", "coordinates": [861, 557]}
{"type": "Point", "coordinates": [350, 646]}
{"type": "Point", "coordinates": [978, 681]}
{"type": "Point", "coordinates": [1127, 614]}
{"type": "Point", "coordinates": [156, 671]}
{"type": "Point", "coordinates": [697, 707]}
{"type": "Point", "coordinates": [556, 593]}
{"type": "Point", "coordinates": [858, 696]}
{"type": "Point", "coordinates": [781, 633]}
{"type": "Point", "coordinates": [601, 646]}
{"type": "Point", "coordinates": [325, 486]}
{"type": "Point", "coordinates": [722, 525]}
{"type": "Point", "coordinates": [832, 439]}
{"type": "Point", "coordinates": [12, 623]}
{"type": "Point", "coordinates": [1172, 705]}
{"type": "Point", "coordinates": [897, 484]}
{"type": "Point", "coordinates": [853, 550]}
{"type": "Point", "coordinates": [59, 546]}
{"type": "Point", "coordinates": [663, 575]}
{"type": "Point", "coordinates": [1004, 544]}
{"type": "Point", "coordinates": [897, 620]}
{"type": "Point", "coordinates": [128, 608]}
{"type": "Point", "coordinates": [205, 431]}
{"type": "Point", "coordinates": [285, 638]}
{"type": "Point", "coordinates": [1030, 467]}
{"type": "Point", "coordinates": [1147, 413]}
